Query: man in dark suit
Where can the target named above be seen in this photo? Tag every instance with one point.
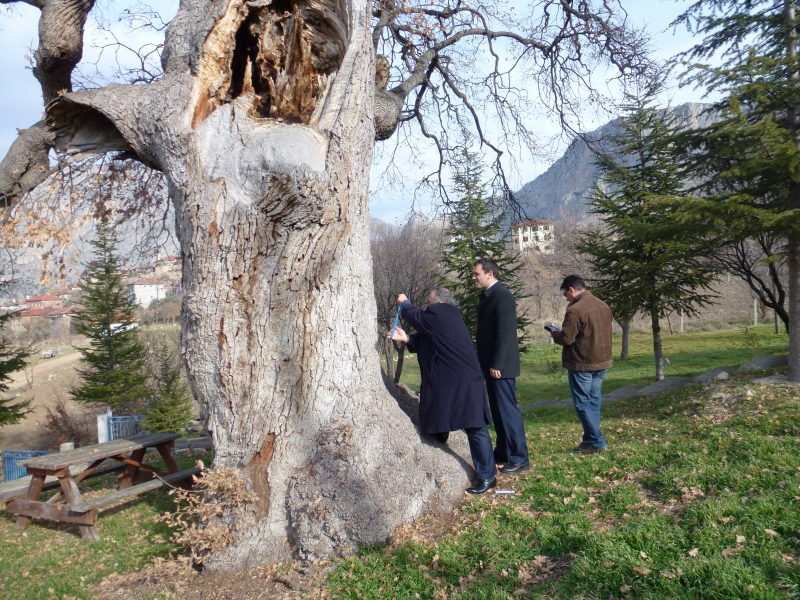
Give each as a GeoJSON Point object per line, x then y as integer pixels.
{"type": "Point", "coordinates": [451, 396]}
{"type": "Point", "coordinates": [498, 353]}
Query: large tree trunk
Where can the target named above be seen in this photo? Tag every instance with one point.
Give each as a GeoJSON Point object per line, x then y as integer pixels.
{"type": "Point", "coordinates": [263, 127]}
{"type": "Point", "coordinates": [793, 327]}
{"type": "Point", "coordinates": [793, 259]}
{"type": "Point", "coordinates": [657, 350]}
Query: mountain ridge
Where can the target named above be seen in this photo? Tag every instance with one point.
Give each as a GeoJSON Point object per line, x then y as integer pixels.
{"type": "Point", "coordinates": [563, 191]}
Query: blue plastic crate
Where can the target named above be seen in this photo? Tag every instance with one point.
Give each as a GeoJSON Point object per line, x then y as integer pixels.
{"type": "Point", "coordinates": [12, 457]}
{"type": "Point", "coordinates": [124, 426]}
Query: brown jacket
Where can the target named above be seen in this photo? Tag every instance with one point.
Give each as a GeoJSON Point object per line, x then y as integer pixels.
{"type": "Point", "coordinates": [586, 334]}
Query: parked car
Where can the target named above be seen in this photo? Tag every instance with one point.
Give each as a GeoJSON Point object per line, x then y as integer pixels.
{"type": "Point", "coordinates": [50, 353]}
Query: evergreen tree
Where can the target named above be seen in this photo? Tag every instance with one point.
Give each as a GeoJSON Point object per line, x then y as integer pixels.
{"type": "Point", "coordinates": [644, 260]}
{"type": "Point", "coordinates": [748, 162]}
{"type": "Point", "coordinates": [473, 230]}
{"type": "Point", "coordinates": [169, 406]}
{"type": "Point", "coordinates": [112, 368]}
{"type": "Point", "coordinates": [12, 359]}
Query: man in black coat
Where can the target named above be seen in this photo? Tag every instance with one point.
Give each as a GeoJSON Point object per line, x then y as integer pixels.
{"type": "Point", "coordinates": [498, 353]}
{"type": "Point", "coordinates": [451, 396]}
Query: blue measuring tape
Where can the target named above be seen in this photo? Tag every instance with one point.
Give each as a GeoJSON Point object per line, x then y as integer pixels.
{"type": "Point", "coordinates": [396, 321]}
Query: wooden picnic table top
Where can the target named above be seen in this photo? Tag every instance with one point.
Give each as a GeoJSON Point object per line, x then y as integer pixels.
{"type": "Point", "coordinates": [87, 454]}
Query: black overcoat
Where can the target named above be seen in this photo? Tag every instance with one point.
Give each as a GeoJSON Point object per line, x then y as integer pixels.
{"type": "Point", "coordinates": [496, 335]}
{"type": "Point", "coordinates": [452, 396]}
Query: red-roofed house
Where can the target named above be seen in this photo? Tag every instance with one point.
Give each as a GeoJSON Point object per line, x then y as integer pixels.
{"type": "Point", "coordinates": [44, 301]}
{"type": "Point", "coordinates": [51, 313]}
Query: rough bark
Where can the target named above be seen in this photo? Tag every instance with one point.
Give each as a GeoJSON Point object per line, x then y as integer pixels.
{"type": "Point", "coordinates": [793, 257]}
{"type": "Point", "coordinates": [60, 48]}
{"type": "Point", "coordinates": [657, 348]}
{"type": "Point", "coordinates": [793, 327]}
{"type": "Point", "coordinates": [266, 138]}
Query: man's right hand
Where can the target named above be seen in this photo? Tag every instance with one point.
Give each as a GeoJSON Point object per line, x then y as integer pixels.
{"type": "Point", "coordinates": [399, 335]}
{"type": "Point", "coordinates": [401, 298]}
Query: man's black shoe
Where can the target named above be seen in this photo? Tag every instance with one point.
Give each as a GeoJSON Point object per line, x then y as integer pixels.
{"type": "Point", "coordinates": [580, 448]}
{"type": "Point", "coordinates": [442, 437]}
{"type": "Point", "coordinates": [515, 467]}
{"type": "Point", "coordinates": [482, 485]}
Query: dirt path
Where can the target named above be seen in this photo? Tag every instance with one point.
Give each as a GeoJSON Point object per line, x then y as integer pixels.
{"type": "Point", "coordinates": [44, 368]}
{"type": "Point", "coordinates": [51, 378]}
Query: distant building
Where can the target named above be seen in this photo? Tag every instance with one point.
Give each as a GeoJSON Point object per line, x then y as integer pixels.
{"type": "Point", "coordinates": [534, 235]}
{"type": "Point", "coordinates": [44, 301]}
{"type": "Point", "coordinates": [50, 313]}
{"type": "Point", "coordinates": [144, 291]}
{"type": "Point", "coordinates": [172, 259]}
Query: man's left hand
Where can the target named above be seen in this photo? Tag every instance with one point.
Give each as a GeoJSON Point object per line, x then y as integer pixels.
{"type": "Point", "coordinates": [494, 373]}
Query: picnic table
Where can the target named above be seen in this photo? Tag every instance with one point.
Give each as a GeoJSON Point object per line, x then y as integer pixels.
{"type": "Point", "coordinates": [67, 505]}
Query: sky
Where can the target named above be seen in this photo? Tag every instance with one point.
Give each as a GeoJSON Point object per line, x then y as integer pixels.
{"type": "Point", "coordinates": [21, 105]}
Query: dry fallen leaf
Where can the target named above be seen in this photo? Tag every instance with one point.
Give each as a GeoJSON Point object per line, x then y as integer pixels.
{"type": "Point", "coordinates": [740, 539]}
{"type": "Point", "coordinates": [625, 589]}
{"type": "Point", "coordinates": [643, 555]}
{"type": "Point", "coordinates": [608, 564]}
{"type": "Point", "coordinates": [668, 574]}
{"type": "Point", "coordinates": [728, 552]}
{"type": "Point", "coordinates": [694, 552]}
{"type": "Point", "coordinates": [642, 570]}
{"type": "Point", "coordinates": [771, 532]}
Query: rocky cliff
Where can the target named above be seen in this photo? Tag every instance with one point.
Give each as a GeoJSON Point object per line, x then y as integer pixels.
{"type": "Point", "coordinates": [564, 190]}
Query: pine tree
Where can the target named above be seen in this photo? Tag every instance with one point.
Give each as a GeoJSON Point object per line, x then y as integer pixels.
{"type": "Point", "coordinates": [748, 161]}
{"type": "Point", "coordinates": [12, 359]}
{"type": "Point", "coordinates": [473, 230]}
{"type": "Point", "coordinates": [169, 406]}
{"type": "Point", "coordinates": [644, 260]}
{"type": "Point", "coordinates": [112, 368]}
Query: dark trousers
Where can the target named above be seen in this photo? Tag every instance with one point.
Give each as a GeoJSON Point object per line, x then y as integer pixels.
{"type": "Point", "coordinates": [480, 447]}
{"type": "Point", "coordinates": [511, 443]}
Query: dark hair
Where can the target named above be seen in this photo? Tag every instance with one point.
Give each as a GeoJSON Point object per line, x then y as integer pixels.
{"type": "Point", "coordinates": [488, 264]}
{"type": "Point", "coordinates": [443, 295]}
{"type": "Point", "coordinates": [573, 281]}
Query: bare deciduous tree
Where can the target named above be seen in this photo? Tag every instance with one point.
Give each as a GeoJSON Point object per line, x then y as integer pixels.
{"type": "Point", "coordinates": [262, 125]}
{"type": "Point", "coordinates": [761, 263]}
{"type": "Point", "coordinates": [404, 260]}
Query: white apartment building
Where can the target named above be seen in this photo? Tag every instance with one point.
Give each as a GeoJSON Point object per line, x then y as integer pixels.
{"type": "Point", "coordinates": [145, 291]}
{"type": "Point", "coordinates": [534, 235]}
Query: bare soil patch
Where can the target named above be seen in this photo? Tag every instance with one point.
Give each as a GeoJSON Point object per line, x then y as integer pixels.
{"type": "Point", "coordinates": [49, 378]}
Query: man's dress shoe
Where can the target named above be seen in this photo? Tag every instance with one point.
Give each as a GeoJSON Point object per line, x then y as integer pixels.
{"type": "Point", "coordinates": [482, 485]}
{"type": "Point", "coordinates": [442, 437]}
{"type": "Point", "coordinates": [515, 467]}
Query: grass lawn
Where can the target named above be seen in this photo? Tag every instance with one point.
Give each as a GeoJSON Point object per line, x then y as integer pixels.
{"type": "Point", "coordinates": [51, 561]}
{"type": "Point", "coordinates": [699, 497]}
{"type": "Point", "coordinates": [690, 354]}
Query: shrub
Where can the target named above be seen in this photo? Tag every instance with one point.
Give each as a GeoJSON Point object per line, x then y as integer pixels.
{"type": "Point", "coordinates": [63, 425]}
{"type": "Point", "coordinates": [169, 406]}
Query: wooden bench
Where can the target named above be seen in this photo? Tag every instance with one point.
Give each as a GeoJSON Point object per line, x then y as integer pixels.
{"type": "Point", "coordinates": [129, 453]}
{"type": "Point", "coordinates": [22, 490]}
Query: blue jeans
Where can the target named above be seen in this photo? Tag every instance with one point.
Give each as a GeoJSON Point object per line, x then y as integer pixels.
{"type": "Point", "coordinates": [585, 387]}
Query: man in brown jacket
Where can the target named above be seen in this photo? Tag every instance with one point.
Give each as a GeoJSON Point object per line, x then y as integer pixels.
{"type": "Point", "coordinates": [586, 337]}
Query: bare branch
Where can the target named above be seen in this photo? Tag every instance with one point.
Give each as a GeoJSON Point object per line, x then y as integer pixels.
{"type": "Point", "coordinates": [34, 3]}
